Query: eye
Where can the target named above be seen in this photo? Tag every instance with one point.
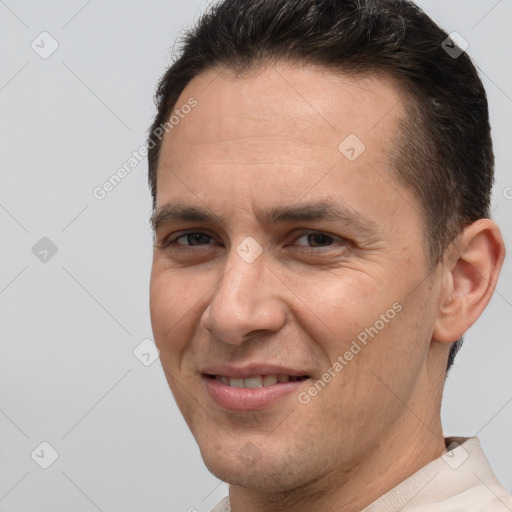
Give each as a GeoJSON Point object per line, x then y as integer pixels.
{"type": "Point", "coordinates": [316, 239]}
{"type": "Point", "coordinates": [190, 238]}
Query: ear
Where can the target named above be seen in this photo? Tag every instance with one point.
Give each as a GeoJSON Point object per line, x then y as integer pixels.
{"type": "Point", "coordinates": [470, 273]}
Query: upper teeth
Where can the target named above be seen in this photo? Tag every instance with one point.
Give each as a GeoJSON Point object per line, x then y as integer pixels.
{"type": "Point", "coordinates": [255, 382]}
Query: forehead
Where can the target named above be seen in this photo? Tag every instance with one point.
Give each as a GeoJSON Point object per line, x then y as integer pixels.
{"type": "Point", "coordinates": [313, 100]}
{"type": "Point", "coordinates": [278, 133]}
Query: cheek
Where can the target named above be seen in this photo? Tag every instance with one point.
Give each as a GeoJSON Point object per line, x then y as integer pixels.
{"type": "Point", "coordinates": [371, 330]}
{"type": "Point", "coordinates": [174, 316]}
{"type": "Point", "coordinates": [172, 308]}
{"type": "Point", "coordinates": [336, 307]}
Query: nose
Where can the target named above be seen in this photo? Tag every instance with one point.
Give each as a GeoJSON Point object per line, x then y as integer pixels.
{"type": "Point", "coordinates": [245, 302]}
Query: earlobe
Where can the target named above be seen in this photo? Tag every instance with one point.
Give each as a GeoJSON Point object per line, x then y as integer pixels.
{"type": "Point", "coordinates": [471, 271]}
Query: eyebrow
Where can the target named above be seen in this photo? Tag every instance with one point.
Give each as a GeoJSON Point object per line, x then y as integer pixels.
{"type": "Point", "coordinates": [176, 212]}
{"type": "Point", "coordinates": [179, 212]}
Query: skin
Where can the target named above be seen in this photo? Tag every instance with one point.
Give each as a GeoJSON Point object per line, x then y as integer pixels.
{"type": "Point", "coordinates": [268, 139]}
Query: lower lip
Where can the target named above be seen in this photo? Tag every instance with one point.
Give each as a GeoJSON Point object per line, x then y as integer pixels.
{"type": "Point", "coordinates": [248, 399]}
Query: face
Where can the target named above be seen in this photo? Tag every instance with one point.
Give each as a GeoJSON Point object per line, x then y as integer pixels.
{"type": "Point", "coordinates": [290, 293]}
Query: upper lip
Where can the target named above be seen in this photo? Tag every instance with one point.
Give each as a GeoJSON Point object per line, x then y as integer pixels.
{"type": "Point", "coordinates": [251, 370]}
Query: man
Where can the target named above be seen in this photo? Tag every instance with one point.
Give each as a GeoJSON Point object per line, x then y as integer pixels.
{"type": "Point", "coordinates": [321, 173]}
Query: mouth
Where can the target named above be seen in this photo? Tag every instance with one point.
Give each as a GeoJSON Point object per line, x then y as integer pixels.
{"type": "Point", "coordinates": [251, 391]}
{"type": "Point", "coordinates": [257, 381]}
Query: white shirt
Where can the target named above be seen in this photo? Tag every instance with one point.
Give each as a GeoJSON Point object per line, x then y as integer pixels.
{"type": "Point", "coordinates": [461, 480]}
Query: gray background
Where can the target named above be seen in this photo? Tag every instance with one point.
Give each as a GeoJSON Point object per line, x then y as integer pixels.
{"type": "Point", "coordinates": [69, 325]}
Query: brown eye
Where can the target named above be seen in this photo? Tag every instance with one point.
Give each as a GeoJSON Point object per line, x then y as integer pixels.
{"type": "Point", "coordinates": [192, 238]}
{"type": "Point", "coordinates": [317, 239]}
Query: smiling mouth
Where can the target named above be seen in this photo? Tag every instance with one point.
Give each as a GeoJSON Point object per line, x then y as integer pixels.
{"type": "Point", "coordinates": [257, 381]}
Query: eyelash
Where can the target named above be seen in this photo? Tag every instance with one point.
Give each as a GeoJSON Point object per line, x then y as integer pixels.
{"type": "Point", "coordinates": [173, 240]}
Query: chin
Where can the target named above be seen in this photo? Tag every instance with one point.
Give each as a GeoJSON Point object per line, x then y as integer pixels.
{"type": "Point", "coordinates": [248, 468]}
